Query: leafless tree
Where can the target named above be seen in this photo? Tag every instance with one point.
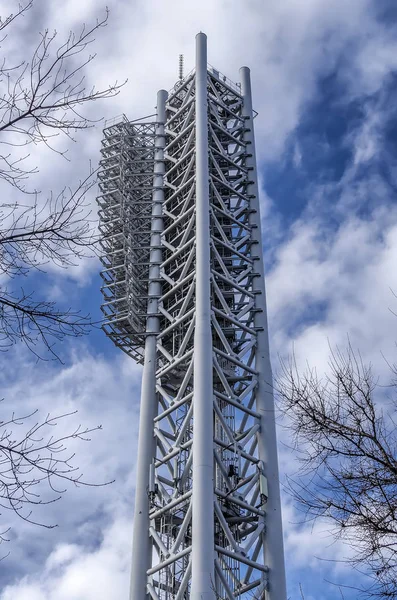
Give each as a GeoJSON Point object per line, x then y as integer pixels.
{"type": "Point", "coordinates": [42, 98]}
{"type": "Point", "coordinates": [344, 433]}
{"type": "Point", "coordinates": [33, 457]}
{"type": "Point", "coordinates": [58, 232]}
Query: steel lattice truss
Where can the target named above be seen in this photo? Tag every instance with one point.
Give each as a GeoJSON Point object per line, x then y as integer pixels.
{"type": "Point", "coordinates": [133, 244]}
{"type": "Point", "coordinates": [240, 488]}
{"type": "Point", "coordinates": [125, 208]}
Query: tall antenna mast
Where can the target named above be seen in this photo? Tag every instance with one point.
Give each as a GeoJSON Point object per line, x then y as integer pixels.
{"type": "Point", "coordinates": [184, 295]}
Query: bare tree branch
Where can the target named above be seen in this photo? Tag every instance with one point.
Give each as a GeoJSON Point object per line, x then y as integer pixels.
{"type": "Point", "coordinates": [347, 446]}
{"type": "Point", "coordinates": [41, 97]}
{"type": "Point", "coordinates": [21, 9]}
{"type": "Point", "coordinates": [45, 97]}
{"type": "Point", "coordinates": [36, 467]}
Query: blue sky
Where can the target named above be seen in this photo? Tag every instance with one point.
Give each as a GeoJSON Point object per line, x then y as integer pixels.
{"type": "Point", "coordinates": [324, 84]}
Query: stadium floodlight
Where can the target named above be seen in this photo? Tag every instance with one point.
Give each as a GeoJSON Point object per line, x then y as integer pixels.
{"type": "Point", "coordinates": [184, 294]}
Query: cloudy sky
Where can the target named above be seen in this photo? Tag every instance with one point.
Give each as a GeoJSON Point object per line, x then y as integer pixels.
{"type": "Point", "coordinates": [324, 84]}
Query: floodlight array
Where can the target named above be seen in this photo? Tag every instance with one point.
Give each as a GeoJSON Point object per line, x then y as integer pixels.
{"type": "Point", "coordinates": [125, 207]}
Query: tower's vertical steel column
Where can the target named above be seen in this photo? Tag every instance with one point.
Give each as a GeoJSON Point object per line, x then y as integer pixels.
{"type": "Point", "coordinates": [142, 547]}
{"type": "Point", "coordinates": [267, 440]}
{"type": "Point", "coordinates": [203, 456]}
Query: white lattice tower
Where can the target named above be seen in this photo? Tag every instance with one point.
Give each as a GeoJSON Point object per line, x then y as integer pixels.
{"type": "Point", "coordinates": [185, 295]}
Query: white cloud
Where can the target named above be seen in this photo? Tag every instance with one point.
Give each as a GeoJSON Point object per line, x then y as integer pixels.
{"type": "Point", "coordinates": [103, 392]}
{"type": "Point", "coordinates": [287, 44]}
{"type": "Point", "coordinates": [349, 274]}
{"type": "Point", "coordinates": [72, 572]}
{"type": "Point", "coordinates": [290, 43]}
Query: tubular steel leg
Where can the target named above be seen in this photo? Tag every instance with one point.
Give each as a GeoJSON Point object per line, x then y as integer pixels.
{"type": "Point", "coordinates": [203, 581]}
{"type": "Point", "coordinates": [141, 552]}
{"type": "Point", "coordinates": [267, 440]}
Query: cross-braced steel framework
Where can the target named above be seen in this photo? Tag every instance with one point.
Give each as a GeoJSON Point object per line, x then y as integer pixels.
{"type": "Point", "coordinates": [184, 294]}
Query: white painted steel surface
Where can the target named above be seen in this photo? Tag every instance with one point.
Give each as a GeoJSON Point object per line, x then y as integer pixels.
{"type": "Point", "coordinates": [142, 547]}
{"type": "Point", "coordinates": [267, 438]}
{"type": "Point", "coordinates": [208, 516]}
{"type": "Point", "coordinates": [203, 553]}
